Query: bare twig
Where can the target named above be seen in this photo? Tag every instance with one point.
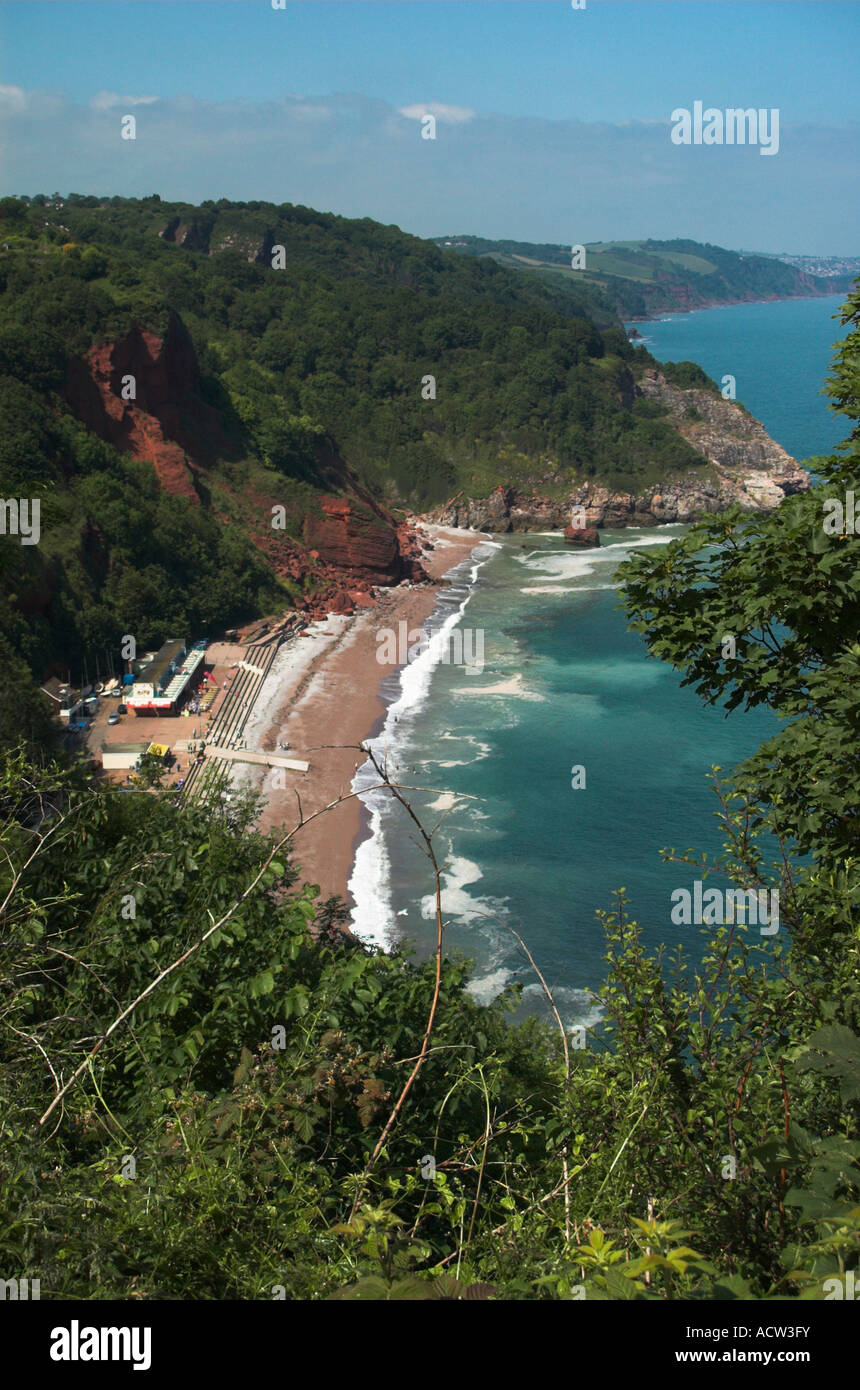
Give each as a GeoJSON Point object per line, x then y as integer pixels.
{"type": "Point", "coordinates": [564, 1154]}
{"type": "Point", "coordinates": [440, 927]}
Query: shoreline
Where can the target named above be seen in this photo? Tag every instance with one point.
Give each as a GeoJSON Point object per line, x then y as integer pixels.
{"type": "Point", "coordinates": [662, 314]}
{"type": "Point", "coordinates": [327, 699]}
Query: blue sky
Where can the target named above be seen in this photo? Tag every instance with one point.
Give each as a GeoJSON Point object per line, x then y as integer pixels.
{"type": "Point", "coordinates": [553, 123]}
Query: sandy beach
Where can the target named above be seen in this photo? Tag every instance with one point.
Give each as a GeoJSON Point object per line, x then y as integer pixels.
{"type": "Point", "coordinates": [324, 690]}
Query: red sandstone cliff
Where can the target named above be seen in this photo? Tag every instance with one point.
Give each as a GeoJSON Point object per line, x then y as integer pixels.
{"type": "Point", "coordinates": [346, 544]}
{"type": "Point", "coordinates": [139, 394]}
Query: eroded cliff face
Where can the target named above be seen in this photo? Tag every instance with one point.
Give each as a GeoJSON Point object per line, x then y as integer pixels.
{"type": "Point", "coordinates": [191, 235]}
{"type": "Point", "coordinates": [353, 538]}
{"type": "Point", "coordinates": [725, 434]}
{"type": "Point", "coordinates": [745, 468]}
{"type": "Point", "coordinates": [666, 294]}
{"type": "Point", "coordinates": [196, 236]}
{"type": "Point", "coordinates": [140, 395]}
{"type": "Point", "coordinates": [344, 552]}
{"type": "Point", "coordinates": [338, 550]}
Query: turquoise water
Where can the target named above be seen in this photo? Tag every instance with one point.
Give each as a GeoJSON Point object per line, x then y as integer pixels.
{"type": "Point", "coordinates": [563, 684]}
{"type": "Point", "coordinates": [779, 355]}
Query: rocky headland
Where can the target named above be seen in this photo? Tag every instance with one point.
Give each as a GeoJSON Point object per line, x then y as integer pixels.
{"type": "Point", "coordinates": [741, 466]}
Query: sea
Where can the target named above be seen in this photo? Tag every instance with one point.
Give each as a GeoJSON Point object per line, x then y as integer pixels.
{"type": "Point", "coordinates": [564, 763]}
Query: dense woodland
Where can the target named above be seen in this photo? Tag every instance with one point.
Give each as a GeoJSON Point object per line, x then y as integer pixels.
{"type": "Point", "coordinates": [704, 1145]}
{"type": "Point", "coordinates": [321, 359]}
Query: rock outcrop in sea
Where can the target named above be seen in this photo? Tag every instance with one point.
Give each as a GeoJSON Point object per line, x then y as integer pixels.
{"type": "Point", "coordinates": [586, 537]}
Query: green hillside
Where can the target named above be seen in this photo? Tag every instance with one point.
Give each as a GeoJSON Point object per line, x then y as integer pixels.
{"type": "Point", "coordinates": [640, 278]}
{"type": "Point", "coordinates": [290, 384]}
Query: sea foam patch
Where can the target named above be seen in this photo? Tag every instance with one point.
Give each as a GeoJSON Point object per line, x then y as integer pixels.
{"type": "Point", "coordinates": [511, 688]}
{"type": "Point", "coordinates": [579, 1008]}
{"type": "Point", "coordinates": [551, 589]}
{"type": "Point", "coordinates": [373, 919]}
{"type": "Point", "coordinates": [457, 902]}
{"type": "Point", "coordinates": [485, 988]}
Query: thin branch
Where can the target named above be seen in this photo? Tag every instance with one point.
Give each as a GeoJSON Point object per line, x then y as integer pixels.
{"type": "Point", "coordinates": [561, 1028]}
{"type": "Point", "coordinates": [440, 928]}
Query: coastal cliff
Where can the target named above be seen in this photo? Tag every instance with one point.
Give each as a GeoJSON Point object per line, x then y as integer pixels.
{"type": "Point", "coordinates": [741, 466]}
{"type": "Point", "coordinates": [343, 543]}
{"type": "Point", "coordinates": [139, 393]}
{"type": "Point", "coordinates": [216, 433]}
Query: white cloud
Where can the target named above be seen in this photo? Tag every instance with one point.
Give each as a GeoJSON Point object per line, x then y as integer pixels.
{"type": "Point", "coordinates": [103, 101]}
{"type": "Point", "coordinates": [528, 179]}
{"type": "Point", "coordinates": [452, 115]}
{"type": "Point", "coordinates": [13, 98]}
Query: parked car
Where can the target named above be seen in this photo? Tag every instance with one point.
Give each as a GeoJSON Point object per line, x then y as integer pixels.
{"type": "Point", "coordinates": [121, 709]}
{"type": "Point", "coordinates": [113, 718]}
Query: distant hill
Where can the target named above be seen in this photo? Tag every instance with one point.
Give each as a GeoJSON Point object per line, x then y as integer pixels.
{"type": "Point", "coordinates": [642, 278]}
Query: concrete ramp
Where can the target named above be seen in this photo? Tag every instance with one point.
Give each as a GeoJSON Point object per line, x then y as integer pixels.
{"type": "Point", "coordinates": [244, 755]}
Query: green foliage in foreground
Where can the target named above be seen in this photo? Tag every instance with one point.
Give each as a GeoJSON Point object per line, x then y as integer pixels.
{"type": "Point", "coordinates": [250, 1087]}
{"type": "Point", "coordinates": [706, 1145]}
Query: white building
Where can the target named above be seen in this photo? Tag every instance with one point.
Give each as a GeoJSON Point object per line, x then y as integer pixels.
{"type": "Point", "coordinates": [123, 756]}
